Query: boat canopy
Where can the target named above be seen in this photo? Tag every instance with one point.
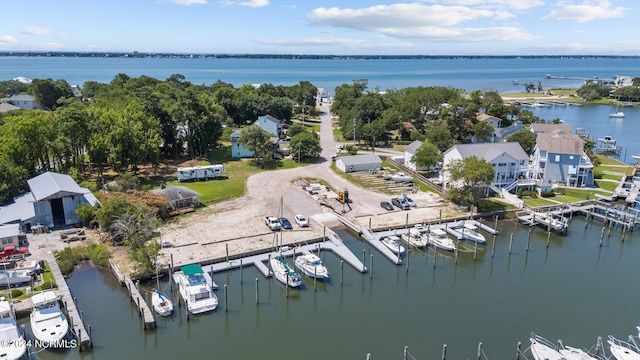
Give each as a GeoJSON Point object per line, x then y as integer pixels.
{"type": "Point", "coordinates": [438, 232]}
{"type": "Point", "coordinates": [470, 227]}
{"type": "Point", "coordinates": [192, 269]}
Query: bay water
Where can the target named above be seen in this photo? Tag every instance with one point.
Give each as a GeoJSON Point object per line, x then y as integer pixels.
{"type": "Point", "coordinates": [574, 289]}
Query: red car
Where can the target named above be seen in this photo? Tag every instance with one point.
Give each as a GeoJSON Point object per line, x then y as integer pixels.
{"type": "Point", "coordinates": [14, 253]}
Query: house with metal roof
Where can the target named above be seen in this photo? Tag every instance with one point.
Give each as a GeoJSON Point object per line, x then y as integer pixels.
{"type": "Point", "coordinates": [355, 163]}
{"type": "Point", "coordinates": [22, 101]}
{"type": "Point", "coordinates": [269, 124]}
{"type": "Point", "coordinates": [180, 196]}
{"type": "Point", "coordinates": [559, 159]}
{"type": "Point", "coordinates": [10, 235]}
{"type": "Point", "coordinates": [510, 163]}
{"type": "Point", "coordinates": [409, 151]}
{"type": "Point", "coordinates": [561, 128]}
{"type": "Point", "coordinates": [52, 202]}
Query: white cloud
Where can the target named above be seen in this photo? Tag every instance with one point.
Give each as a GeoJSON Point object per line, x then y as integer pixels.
{"type": "Point", "coordinates": [584, 11]}
{"type": "Point", "coordinates": [312, 42]}
{"type": "Point", "coordinates": [443, 34]}
{"type": "Point", "coordinates": [189, 2]}
{"type": "Point", "coordinates": [35, 30]}
{"type": "Point", "coordinates": [496, 4]}
{"type": "Point", "coordinates": [249, 3]}
{"type": "Point", "coordinates": [7, 39]}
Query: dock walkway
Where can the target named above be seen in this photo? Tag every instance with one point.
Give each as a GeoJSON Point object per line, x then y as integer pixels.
{"type": "Point", "coordinates": [143, 309]}
{"type": "Point", "coordinates": [76, 323]}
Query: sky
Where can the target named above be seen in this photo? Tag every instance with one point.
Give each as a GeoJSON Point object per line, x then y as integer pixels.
{"type": "Point", "coordinates": [327, 27]}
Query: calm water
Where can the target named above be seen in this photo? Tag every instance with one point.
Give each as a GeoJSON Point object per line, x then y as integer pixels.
{"type": "Point", "coordinates": [467, 74]}
{"type": "Point", "coordinates": [574, 290]}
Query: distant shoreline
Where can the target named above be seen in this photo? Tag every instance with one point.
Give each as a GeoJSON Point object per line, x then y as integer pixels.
{"type": "Point", "coordinates": [134, 54]}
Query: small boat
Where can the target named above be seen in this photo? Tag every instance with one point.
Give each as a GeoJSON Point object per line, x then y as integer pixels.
{"type": "Point", "coordinates": [161, 303]}
{"type": "Point", "coordinates": [469, 232]}
{"type": "Point", "coordinates": [197, 294]}
{"type": "Point", "coordinates": [617, 114]}
{"type": "Point", "coordinates": [609, 140]}
{"type": "Point", "coordinates": [622, 350]}
{"type": "Point", "coordinates": [439, 239]}
{"type": "Point", "coordinates": [549, 221]}
{"type": "Point", "coordinates": [14, 277]}
{"type": "Point", "coordinates": [571, 353]}
{"type": "Point", "coordinates": [48, 323]}
{"type": "Point", "coordinates": [415, 237]}
{"type": "Point", "coordinates": [283, 272]}
{"type": "Point", "coordinates": [543, 349]}
{"type": "Point", "coordinates": [401, 177]}
{"type": "Point", "coordinates": [393, 243]}
{"type": "Point", "coordinates": [13, 344]}
{"type": "Point", "coordinates": [311, 265]}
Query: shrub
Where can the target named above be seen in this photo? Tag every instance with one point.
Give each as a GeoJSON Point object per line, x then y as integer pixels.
{"type": "Point", "coordinates": [547, 194]}
{"type": "Point", "coordinates": [16, 293]}
{"type": "Point", "coordinates": [48, 284]}
{"type": "Point", "coordinates": [597, 174]}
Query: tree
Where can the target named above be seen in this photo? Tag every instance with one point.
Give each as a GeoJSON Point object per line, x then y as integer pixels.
{"type": "Point", "coordinates": [526, 139]}
{"type": "Point", "coordinates": [305, 145]}
{"type": "Point", "coordinates": [466, 177]}
{"type": "Point", "coordinates": [48, 92]}
{"type": "Point", "coordinates": [256, 139]}
{"type": "Point", "coordinates": [295, 129]}
{"type": "Point", "coordinates": [483, 132]}
{"type": "Point", "coordinates": [427, 156]}
{"type": "Point", "coordinates": [439, 136]}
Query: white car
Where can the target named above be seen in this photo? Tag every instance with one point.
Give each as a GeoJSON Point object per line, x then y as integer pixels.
{"type": "Point", "coordinates": [301, 220]}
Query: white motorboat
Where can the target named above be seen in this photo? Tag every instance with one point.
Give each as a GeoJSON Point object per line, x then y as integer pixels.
{"type": "Point", "coordinates": [617, 114]}
{"type": "Point", "coordinates": [393, 243]}
{"type": "Point", "coordinates": [311, 265]}
{"type": "Point", "coordinates": [13, 344]}
{"type": "Point", "coordinates": [548, 221]}
{"type": "Point", "coordinates": [469, 232]}
{"type": "Point", "coordinates": [14, 277]}
{"type": "Point", "coordinates": [401, 177]}
{"type": "Point", "coordinates": [161, 303]}
{"type": "Point", "coordinates": [416, 236]}
{"type": "Point", "coordinates": [48, 323]}
{"type": "Point", "coordinates": [439, 239]}
{"type": "Point", "coordinates": [32, 266]}
{"type": "Point", "coordinates": [543, 349]}
{"type": "Point", "coordinates": [197, 294]}
{"type": "Point", "coordinates": [283, 272]}
{"type": "Point", "coordinates": [623, 350]}
{"type": "Point", "coordinates": [571, 353]}
{"type": "Point", "coordinates": [609, 140]}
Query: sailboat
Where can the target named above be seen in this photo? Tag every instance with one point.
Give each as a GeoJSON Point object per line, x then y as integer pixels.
{"type": "Point", "coordinates": [160, 302]}
{"type": "Point", "coordinates": [617, 114]}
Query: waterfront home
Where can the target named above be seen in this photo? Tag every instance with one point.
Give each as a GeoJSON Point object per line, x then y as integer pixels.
{"type": "Point", "coordinates": [510, 163]}
{"type": "Point", "coordinates": [550, 128]}
{"type": "Point", "coordinates": [359, 163]}
{"type": "Point", "coordinates": [495, 122]}
{"type": "Point", "coordinates": [500, 134]}
{"type": "Point", "coordinates": [22, 101]}
{"type": "Point", "coordinates": [559, 159]}
{"type": "Point", "coordinates": [52, 202]}
{"type": "Point", "coordinates": [409, 151]}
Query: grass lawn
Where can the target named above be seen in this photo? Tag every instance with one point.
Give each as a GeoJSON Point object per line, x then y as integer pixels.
{"type": "Point", "coordinates": [419, 185]}
{"type": "Point", "coordinates": [536, 202]}
{"type": "Point", "coordinates": [611, 177]}
{"type": "Point", "coordinates": [575, 195]}
{"type": "Point", "coordinates": [607, 185]}
{"type": "Point", "coordinates": [605, 160]}
{"type": "Point", "coordinates": [629, 170]}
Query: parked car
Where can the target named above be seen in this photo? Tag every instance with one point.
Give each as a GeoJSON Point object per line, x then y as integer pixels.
{"type": "Point", "coordinates": [11, 252]}
{"type": "Point", "coordinates": [410, 201]}
{"type": "Point", "coordinates": [401, 203]}
{"type": "Point", "coordinates": [301, 220]}
{"type": "Point", "coordinates": [285, 223]}
{"type": "Point", "coordinates": [273, 223]}
{"type": "Point", "coordinates": [386, 205]}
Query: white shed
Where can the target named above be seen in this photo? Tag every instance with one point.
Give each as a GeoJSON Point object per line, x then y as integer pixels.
{"type": "Point", "coordinates": [359, 163]}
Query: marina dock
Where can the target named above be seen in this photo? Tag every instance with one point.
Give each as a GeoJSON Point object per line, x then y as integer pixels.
{"type": "Point", "coordinates": [134, 294]}
{"type": "Point", "coordinates": [76, 322]}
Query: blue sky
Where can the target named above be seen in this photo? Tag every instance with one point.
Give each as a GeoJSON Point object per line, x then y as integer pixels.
{"type": "Point", "coordinates": [427, 27]}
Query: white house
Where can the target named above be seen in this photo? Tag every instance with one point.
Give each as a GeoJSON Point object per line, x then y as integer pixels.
{"type": "Point", "coordinates": [359, 163]}
{"type": "Point", "coordinates": [510, 163]}
{"type": "Point", "coordinates": [491, 120]}
{"type": "Point", "coordinates": [10, 235]}
{"type": "Point", "coordinates": [409, 151]}
{"type": "Point", "coordinates": [22, 101]}
{"type": "Point", "coordinates": [323, 95]}
{"type": "Point", "coordinates": [269, 124]}
{"type": "Point", "coordinates": [560, 159]}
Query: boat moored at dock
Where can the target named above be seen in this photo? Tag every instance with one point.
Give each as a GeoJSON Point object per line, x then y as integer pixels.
{"type": "Point", "coordinates": [13, 344]}
{"type": "Point", "coordinates": [416, 236]}
{"type": "Point", "coordinates": [469, 233]}
{"type": "Point", "coordinates": [622, 350]}
{"type": "Point", "coordinates": [283, 272]}
{"type": "Point", "coordinates": [393, 243]}
{"type": "Point", "coordinates": [438, 238]}
{"type": "Point", "coordinates": [197, 294]}
{"type": "Point", "coordinates": [311, 265]}
{"type": "Point", "coordinates": [48, 323]}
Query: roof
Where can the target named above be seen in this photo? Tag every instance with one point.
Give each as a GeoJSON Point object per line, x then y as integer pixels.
{"type": "Point", "coordinates": [8, 107]}
{"type": "Point", "coordinates": [192, 269]}
{"type": "Point", "coordinates": [48, 184]}
{"type": "Point", "coordinates": [10, 230]}
{"type": "Point", "coordinates": [267, 118]}
{"type": "Point", "coordinates": [360, 159]}
{"type": "Point", "coordinates": [413, 147]}
{"type": "Point", "coordinates": [490, 151]}
{"type": "Point", "coordinates": [509, 130]}
{"type": "Point", "coordinates": [20, 210]}
{"type": "Point", "coordinates": [551, 128]}
{"type": "Point", "coordinates": [485, 117]}
{"type": "Point", "coordinates": [22, 97]}
{"type": "Point", "coordinates": [177, 192]}
{"type": "Point", "coordinates": [560, 143]}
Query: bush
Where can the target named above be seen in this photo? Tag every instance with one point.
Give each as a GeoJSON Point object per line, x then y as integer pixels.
{"type": "Point", "coordinates": [16, 293]}
{"type": "Point", "coordinates": [526, 193]}
{"type": "Point", "coordinates": [597, 174]}
{"type": "Point", "coordinates": [45, 285]}
{"type": "Point", "coordinates": [547, 194]}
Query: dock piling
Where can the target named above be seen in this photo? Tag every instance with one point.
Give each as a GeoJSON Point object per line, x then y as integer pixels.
{"type": "Point", "coordinates": [341, 272]}
{"type": "Point", "coordinates": [510, 243]}
{"type": "Point", "coordinates": [371, 267]}
{"type": "Point", "coordinates": [240, 272]}
{"type": "Point", "coordinates": [444, 352]}
{"type": "Point", "coordinates": [257, 293]}
{"type": "Point", "coordinates": [364, 254]}
{"type": "Point", "coordinates": [529, 239]}
{"type": "Point", "coordinates": [226, 308]}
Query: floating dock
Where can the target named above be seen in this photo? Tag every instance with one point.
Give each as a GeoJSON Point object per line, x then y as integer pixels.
{"type": "Point", "coordinates": [76, 323]}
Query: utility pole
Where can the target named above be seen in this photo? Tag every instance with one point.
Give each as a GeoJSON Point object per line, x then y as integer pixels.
{"type": "Point", "coordinates": [354, 131]}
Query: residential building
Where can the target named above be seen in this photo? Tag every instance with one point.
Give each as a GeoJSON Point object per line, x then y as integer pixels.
{"type": "Point", "coordinates": [495, 122]}
{"type": "Point", "coordinates": [180, 196]}
{"type": "Point", "coordinates": [510, 163]}
{"type": "Point", "coordinates": [559, 159]}
{"type": "Point", "coordinates": [4, 107]}
{"type": "Point", "coordinates": [562, 128]}
{"type": "Point", "coordinates": [9, 235]}
{"type": "Point", "coordinates": [269, 124]}
{"type": "Point", "coordinates": [22, 101]}
{"type": "Point", "coordinates": [500, 134]}
{"type": "Point", "coordinates": [52, 202]}
{"type": "Point", "coordinates": [409, 151]}
{"type": "Point", "coordinates": [323, 95]}
{"type": "Point", "coordinates": [359, 163]}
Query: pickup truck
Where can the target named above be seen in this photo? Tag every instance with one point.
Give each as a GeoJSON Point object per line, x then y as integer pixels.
{"type": "Point", "coordinates": [272, 222]}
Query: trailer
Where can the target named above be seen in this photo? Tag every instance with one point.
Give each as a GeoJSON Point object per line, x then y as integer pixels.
{"type": "Point", "coordinates": [200, 172]}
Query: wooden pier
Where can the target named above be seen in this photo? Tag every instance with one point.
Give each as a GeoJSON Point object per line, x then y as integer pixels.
{"type": "Point", "coordinates": [134, 294]}
{"type": "Point", "coordinates": [76, 322]}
